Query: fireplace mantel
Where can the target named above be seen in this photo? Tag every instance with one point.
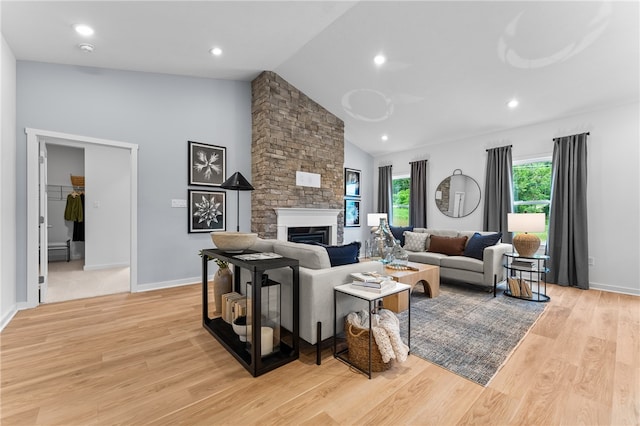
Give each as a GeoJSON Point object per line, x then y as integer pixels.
{"type": "Point", "coordinates": [291, 217]}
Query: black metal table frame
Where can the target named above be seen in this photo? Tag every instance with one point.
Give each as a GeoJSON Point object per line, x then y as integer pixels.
{"type": "Point", "coordinates": [372, 305]}
{"type": "Point", "coordinates": [218, 328]}
{"type": "Point", "coordinates": [540, 274]}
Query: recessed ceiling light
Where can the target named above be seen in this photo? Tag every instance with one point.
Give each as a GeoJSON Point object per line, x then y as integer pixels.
{"type": "Point", "coordinates": [216, 51]}
{"type": "Point", "coordinates": [84, 30]}
{"type": "Point", "coordinates": [385, 138]}
{"type": "Point", "coordinates": [512, 103]}
{"type": "Point", "coordinates": [379, 59]}
{"type": "Point", "coordinates": [86, 47]}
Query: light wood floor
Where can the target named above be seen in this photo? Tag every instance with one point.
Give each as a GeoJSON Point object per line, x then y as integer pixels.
{"type": "Point", "coordinates": [145, 359]}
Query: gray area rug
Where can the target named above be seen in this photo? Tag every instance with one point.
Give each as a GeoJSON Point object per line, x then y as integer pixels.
{"type": "Point", "coordinates": [468, 331]}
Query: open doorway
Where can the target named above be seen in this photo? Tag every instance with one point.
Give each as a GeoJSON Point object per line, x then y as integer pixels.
{"type": "Point", "coordinates": [67, 214]}
{"type": "Point", "coordinates": [108, 255]}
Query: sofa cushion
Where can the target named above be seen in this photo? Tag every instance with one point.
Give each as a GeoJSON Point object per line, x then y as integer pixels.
{"type": "Point", "coordinates": [415, 241]}
{"type": "Point", "coordinates": [452, 246]}
{"type": "Point", "coordinates": [398, 232]}
{"type": "Point", "coordinates": [426, 257]}
{"type": "Point", "coordinates": [462, 262]}
{"type": "Point", "coordinates": [310, 256]}
{"type": "Point", "coordinates": [442, 232]}
{"type": "Point", "coordinates": [477, 243]}
{"type": "Point", "coordinates": [263, 245]}
{"type": "Point", "coordinates": [343, 255]}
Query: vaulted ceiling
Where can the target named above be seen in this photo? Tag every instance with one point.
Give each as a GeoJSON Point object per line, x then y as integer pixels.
{"type": "Point", "coordinates": [451, 66]}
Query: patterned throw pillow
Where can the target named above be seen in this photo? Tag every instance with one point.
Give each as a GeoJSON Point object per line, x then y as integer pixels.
{"type": "Point", "coordinates": [415, 241]}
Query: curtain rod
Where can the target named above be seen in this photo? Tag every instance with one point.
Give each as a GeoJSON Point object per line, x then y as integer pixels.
{"type": "Point", "coordinates": [585, 133]}
{"type": "Point", "coordinates": [488, 149]}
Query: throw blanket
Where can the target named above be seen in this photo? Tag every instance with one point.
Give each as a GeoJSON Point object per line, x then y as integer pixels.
{"type": "Point", "coordinates": [386, 332]}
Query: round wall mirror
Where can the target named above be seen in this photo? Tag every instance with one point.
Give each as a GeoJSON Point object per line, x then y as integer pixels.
{"type": "Point", "coordinates": [458, 195]}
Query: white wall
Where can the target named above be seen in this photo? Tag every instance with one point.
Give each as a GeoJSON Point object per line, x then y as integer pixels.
{"type": "Point", "coordinates": [614, 179]}
{"type": "Point", "coordinates": [8, 301]}
{"type": "Point", "coordinates": [62, 161]}
{"type": "Point", "coordinates": [355, 158]}
{"type": "Point", "coordinates": [107, 212]}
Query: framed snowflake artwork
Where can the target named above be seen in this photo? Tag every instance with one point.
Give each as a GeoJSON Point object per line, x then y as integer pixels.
{"type": "Point", "coordinates": [207, 211]}
{"type": "Point", "coordinates": [207, 164]}
{"type": "Point", "coordinates": [351, 212]}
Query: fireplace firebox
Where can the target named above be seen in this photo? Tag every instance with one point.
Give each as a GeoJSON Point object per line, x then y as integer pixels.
{"type": "Point", "coordinates": [300, 234]}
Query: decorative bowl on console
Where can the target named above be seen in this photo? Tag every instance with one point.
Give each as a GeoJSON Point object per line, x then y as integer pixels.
{"type": "Point", "coordinates": [233, 242]}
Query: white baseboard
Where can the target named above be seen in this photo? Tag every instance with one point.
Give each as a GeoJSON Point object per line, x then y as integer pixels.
{"type": "Point", "coordinates": [105, 266]}
{"type": "Point", "coordinates": [167, 284]}
{"type": "Point", "coordinates": [614, 289]}
{"type": "Point", "coordinates": [6, 318]}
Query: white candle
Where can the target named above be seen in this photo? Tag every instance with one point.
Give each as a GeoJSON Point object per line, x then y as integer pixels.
{"type": "Point", "coordinates": [266, 341]}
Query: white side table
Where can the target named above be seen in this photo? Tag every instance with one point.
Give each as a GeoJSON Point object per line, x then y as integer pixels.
{"type": "Point", "coordinates": [371, 297]}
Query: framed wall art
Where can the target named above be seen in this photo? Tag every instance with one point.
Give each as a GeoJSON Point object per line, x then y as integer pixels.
{"type": "Point", "coordinates": [207, 164]}
{"type": "Point", "coordinates": [351, 183]}
{"type": "Point", "coordinates": [351, 212]}
{"type": "Point", "coordinates": [207, 211]}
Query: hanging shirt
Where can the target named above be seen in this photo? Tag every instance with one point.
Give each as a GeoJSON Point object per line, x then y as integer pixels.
{"type": "Point", "coordinates": [73, 210]}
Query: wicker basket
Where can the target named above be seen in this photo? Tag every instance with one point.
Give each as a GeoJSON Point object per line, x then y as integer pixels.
{"type": "Point", "coordinates": [77, 180]}
{"type": "Point", "coordinates": [358, 343]}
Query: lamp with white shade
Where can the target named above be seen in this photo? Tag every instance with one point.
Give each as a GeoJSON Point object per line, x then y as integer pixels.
{"type": "Point", "coordinates": [373, 219]}
{"type": "Point", "coordinates": [526, 244]}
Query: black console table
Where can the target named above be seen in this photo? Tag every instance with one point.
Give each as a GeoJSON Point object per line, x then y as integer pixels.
{"type": "Point", "coordinates": [251, 359]}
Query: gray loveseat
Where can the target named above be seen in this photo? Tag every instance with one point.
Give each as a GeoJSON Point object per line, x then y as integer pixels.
{"type": "Point", "coordinates": [459, 267]}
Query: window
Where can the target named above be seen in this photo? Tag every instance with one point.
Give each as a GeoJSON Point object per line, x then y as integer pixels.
{"type": "Point", "coordinates": [532, 188]}
{"type": "Point", "coordinates": [401, 188]}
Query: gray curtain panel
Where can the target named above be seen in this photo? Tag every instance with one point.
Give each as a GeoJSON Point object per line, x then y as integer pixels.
{"type": "Point", "coordinates": [498, 191]}
{"type": "Point", "coordinates": [418, 194]}
{"type": "Point", "coordinates": [568, 244]}
{"type": "Point", "coordinates": [385, 191]}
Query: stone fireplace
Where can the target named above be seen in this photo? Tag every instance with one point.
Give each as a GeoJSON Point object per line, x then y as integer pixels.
{"type": "Point", "coordinates": [292, 133]}
{"type": "Point", "coordinates": [288, 218]}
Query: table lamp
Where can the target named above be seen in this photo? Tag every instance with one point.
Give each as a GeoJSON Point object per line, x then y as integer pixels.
{"type": "Point", "coordinates": [373, 219]}
{"type": "Point", "coordinates": [526, 244]}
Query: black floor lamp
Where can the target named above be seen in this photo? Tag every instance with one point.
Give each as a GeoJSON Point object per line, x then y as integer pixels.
{"type": "Point", "coordinates": [238, 183]}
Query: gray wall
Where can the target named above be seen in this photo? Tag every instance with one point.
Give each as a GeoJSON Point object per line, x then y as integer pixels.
{"type": "Point", "coordinates": [158, 112]}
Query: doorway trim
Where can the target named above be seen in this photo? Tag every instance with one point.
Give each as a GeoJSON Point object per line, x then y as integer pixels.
{"type": "Point", "coordinates": [34, 136]}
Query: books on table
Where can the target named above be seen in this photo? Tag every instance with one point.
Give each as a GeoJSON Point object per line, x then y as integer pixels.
{"type": "Point", "coordinates": [374, 287]}
{"type": "Point", "coordinates": [369, 277]}
{"type": "Point", "coordinates": [523, 264]}
{"type": "Point", "coordinates": [258, 256]}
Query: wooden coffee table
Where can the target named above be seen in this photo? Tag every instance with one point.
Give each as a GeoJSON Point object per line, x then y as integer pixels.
{"type": "Point", "coordinates": [427, 275]}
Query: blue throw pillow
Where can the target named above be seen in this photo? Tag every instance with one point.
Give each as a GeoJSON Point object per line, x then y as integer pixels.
{"type": "Point", "coordinates": [342, 255]}
{"type": "Point", "coordinates": [477, 244]}
{"type": "Point", "coordinates": [398, 232]}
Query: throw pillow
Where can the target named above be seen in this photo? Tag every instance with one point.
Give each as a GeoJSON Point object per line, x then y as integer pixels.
{"type": "Point", "coordinates": [398, 232]}
{"type": "Point", "coordinates": [451, 246]}
{"type": "Point", "coordinates": [343, 255]}
{"type": "Point", "coordinates": [477, 244]}
{"type": "Point", "coordinates": [415, 241]}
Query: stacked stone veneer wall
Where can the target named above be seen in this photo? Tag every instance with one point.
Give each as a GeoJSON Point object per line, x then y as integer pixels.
{"type": "Point", "coordinates": [291, 132]}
